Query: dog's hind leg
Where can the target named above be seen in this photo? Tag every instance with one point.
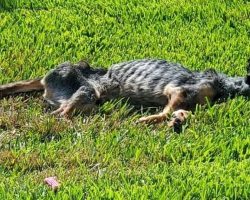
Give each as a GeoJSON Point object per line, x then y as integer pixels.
{"type": "Point", "coordinates": [83, 100]}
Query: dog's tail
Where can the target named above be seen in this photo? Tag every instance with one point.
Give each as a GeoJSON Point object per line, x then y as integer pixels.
{"type": "Point", "coordinates": [21, 86]}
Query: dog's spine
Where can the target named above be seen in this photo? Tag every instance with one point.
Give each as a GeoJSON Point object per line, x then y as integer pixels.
{"type": "Point", "coordinates": [20, 87]}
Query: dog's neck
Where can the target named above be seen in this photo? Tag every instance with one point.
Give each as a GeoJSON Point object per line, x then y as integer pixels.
{"type": "Point", "coordinates": [234, 86]}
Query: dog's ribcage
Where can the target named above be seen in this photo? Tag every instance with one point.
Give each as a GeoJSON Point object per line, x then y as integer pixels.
{"type": "Point", "coordinates": [143, 81]}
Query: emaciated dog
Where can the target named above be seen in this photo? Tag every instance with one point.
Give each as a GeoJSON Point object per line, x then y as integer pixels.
{"type": "Point", "coordinates": [146, 82]}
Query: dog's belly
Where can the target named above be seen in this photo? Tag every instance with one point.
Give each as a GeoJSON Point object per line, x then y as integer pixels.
{"type": "Point", "coordinates": [147, 100]}
{"type": "Point", "coordinates": [144, 96]}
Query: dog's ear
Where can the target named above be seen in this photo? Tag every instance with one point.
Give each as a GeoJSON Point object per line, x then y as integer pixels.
{"type": "Point", "coordinates": [248, 72]}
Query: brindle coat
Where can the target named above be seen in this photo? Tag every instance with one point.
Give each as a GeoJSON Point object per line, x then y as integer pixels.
{"type": "Point", "coordinates": [144, 82]}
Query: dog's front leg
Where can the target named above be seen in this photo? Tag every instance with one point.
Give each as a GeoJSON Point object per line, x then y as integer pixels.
{"type": "Point", "coordinates": [176, 101]}
{"type": "Point", "coordinates": [178, 119]}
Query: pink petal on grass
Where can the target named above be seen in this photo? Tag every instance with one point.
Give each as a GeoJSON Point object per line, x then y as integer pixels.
{"type": "Point", "coordinates": [52, 182]}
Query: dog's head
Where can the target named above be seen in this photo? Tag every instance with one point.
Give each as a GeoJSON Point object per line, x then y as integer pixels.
{"type": "Point", "coordinates": [247, 79]}
{"type": "Point", "coordinates": [245, 86]}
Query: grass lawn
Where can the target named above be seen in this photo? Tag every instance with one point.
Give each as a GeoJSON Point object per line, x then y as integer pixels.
{"type": "Point", "coordinates": [107, 155]}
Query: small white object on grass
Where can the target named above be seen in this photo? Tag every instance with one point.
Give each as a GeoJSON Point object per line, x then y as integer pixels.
{"type": "Point", "coordinates": [52, 182]}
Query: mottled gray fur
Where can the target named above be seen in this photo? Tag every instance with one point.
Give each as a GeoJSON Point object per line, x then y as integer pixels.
{"type": "Point", "coordinates": [149, 82]}
{"type": "Point", "coordinates": [141, 81]}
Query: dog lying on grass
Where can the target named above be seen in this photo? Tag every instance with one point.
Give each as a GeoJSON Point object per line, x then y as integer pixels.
{"type": "Point", "coordinates": [147, 82]}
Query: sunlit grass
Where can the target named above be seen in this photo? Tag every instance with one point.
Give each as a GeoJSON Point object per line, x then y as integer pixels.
{"type": "Point", "coordinates": [107, 154]}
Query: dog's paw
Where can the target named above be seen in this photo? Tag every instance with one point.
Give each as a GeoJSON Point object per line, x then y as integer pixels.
{"type": "Point", "coordinates": [65, 110]}
{"type": "Point", "coordinates": [178, 119]}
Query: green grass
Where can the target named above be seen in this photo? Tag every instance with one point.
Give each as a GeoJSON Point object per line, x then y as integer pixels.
{"type": "Point", "coordinates": [108, 155]}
